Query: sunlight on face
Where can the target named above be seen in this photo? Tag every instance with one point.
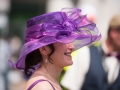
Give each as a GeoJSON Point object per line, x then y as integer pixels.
{"type": "Point", "coordinates": [62, 54]}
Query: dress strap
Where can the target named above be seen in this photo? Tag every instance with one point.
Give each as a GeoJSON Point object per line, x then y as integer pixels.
{"type": "Point", "coordinates": [38, 82]}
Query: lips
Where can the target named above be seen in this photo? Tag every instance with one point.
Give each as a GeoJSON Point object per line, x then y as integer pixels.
{"type": "Point", "coordinates": [67, 54]}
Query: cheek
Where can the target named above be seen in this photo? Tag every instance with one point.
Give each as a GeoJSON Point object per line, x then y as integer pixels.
{"type": "Point", "coordinates": [57, 55]}
{"type": "Point", "coordinates": [59, 51]}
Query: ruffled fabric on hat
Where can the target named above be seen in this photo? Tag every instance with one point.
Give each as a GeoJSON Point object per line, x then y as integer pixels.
{"type": "Point", "coordinates": [66, 26]}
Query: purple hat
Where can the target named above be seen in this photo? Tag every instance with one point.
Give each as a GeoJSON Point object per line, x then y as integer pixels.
{"type": "Point", "coordinates": [65, 26]}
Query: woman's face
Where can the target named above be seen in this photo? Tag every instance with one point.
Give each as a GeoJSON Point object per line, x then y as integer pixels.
{"type": "Point", "coordinates": [62, 54]}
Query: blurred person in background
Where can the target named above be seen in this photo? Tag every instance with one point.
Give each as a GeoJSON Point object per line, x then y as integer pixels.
{"type": "Point", "coordinates": [48, 46]}
{"type": "Point", "coordinates": [4, 56]}
{"type": "Point", "coordinates": [19, 82]}
{"type": "Point", "coordinates": [97, 68]}
{"type": "Point", "coordinates": [4, 43]}
{"type": "Point", "coordinates": [15, 44]}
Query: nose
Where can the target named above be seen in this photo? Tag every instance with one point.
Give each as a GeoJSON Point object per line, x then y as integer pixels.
{"type": "Point", "coordinates": [71, 46]}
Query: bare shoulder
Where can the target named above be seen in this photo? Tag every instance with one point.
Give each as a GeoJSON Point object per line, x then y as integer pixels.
{"type": "Point", "coordinates": [44, 85]}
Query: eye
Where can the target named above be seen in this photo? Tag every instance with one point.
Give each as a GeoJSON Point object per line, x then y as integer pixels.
{"type": "Point", "coordinates": [63, 34]}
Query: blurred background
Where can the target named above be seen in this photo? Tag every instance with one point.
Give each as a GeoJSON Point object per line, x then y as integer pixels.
{"type": "Point", "coordinates": [13, 17]}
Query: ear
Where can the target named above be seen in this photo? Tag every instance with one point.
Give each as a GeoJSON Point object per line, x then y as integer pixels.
{"type": "Point", "coordinates": [45, 50]}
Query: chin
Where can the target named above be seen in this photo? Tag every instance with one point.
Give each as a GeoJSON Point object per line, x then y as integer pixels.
{"type": "Point", "coordinates": [70, 63]}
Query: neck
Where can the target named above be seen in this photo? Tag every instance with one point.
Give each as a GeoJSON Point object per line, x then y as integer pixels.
{"type": "Point", "coordinates": [50, 72]}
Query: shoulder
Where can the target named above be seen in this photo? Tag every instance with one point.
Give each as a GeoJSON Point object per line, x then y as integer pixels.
{"type": "Point", "coordinates": [42, 85]}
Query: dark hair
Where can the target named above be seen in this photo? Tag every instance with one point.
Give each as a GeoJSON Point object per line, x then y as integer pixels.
{"type": "Point", "coordinates": [33, 59]}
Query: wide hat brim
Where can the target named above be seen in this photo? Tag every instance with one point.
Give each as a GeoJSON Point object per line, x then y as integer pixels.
{"type": "Point", "coordinates": [64, 28]}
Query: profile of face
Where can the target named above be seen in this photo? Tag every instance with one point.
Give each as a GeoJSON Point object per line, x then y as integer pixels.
{"type": "Point", "coordinates": [61, 56]}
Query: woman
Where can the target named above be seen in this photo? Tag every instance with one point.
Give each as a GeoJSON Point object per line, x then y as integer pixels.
{"type": "Point", "coordinates": [49, 46]}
